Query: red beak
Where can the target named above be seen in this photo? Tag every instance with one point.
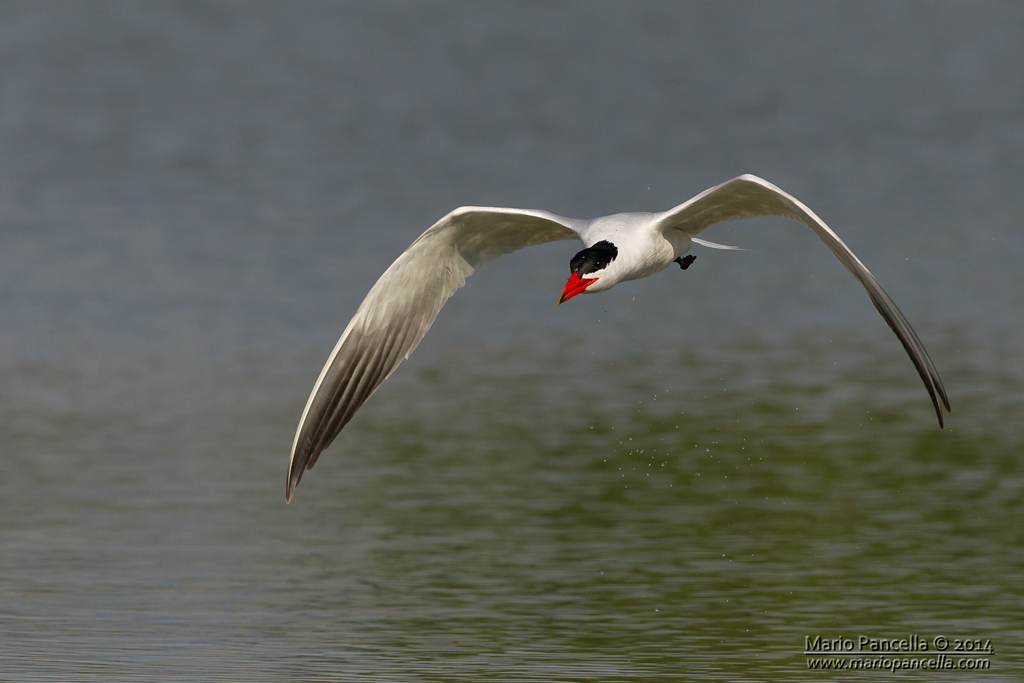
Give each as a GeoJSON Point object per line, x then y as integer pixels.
{"type": "Point", "coordinates": [575, 285]}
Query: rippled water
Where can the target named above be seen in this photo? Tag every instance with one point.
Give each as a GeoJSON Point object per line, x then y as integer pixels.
{"type": "Point", "coordinates": [681, 478]}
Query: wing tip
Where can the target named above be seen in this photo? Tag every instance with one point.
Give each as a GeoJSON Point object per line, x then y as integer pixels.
{"type": "Point", "coordinates": [945, 403]}
{"type": "Point", "coordinates": [937, 393]}
{"type": "Point", "coordinates": [291, 481]}
{"type": "Point", "coordinates": [296, 467]}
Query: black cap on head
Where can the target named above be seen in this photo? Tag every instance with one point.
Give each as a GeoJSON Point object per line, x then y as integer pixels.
{"type": "Point", "coordinates": [593, 259]}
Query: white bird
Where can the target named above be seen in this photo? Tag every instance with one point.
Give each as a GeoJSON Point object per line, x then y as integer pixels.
{"type": "Point", "coordinates": [400, 308]}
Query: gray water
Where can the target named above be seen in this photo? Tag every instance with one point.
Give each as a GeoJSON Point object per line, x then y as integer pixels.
{"type": "Point", "coordinates": [682, 478]}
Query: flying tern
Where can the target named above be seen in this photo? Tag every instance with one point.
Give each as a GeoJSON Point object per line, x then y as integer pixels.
{"type": "Point", "coordinates": [402, 305]}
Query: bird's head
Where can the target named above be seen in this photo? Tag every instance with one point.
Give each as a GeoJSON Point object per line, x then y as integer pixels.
{"type": "Point", "coordinates": [589, 266]}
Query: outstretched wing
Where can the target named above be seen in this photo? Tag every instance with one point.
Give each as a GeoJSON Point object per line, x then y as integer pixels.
{"type": "Point", "coordinates": [401, 307]}
{"type": "Point", "coordinates": [749, 196]}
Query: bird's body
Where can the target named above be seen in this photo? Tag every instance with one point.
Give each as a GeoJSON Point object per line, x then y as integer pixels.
{"type": "Point", "coordinates": [643, 249]}
{"type": "Point", "coordinates": [402, 305]}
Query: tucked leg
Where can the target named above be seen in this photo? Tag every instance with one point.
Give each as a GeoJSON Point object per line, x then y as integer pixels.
{"type": "Point", "coordinates": [685, 261]}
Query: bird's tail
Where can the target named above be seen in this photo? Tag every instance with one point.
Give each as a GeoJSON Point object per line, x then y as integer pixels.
{"type": "Point", "coordinates": [715, 245]}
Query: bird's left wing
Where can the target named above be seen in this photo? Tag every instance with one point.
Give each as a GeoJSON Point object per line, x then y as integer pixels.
{"type": "Point", "coordinates": [748, 196]}
{"type": "Point", "coordinates": [400, 308]}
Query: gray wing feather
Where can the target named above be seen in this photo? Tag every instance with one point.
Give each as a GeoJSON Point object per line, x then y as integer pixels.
{"type": "Point", "coordinates": [748, 196]}
{"type": "Point", "coordinates": [401, 307]}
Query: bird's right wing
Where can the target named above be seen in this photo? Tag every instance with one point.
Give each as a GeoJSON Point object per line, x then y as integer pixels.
{"type": "Point", "coordinates": [748, 196]}
{"type": "Point", "coordinates": [401, 307]}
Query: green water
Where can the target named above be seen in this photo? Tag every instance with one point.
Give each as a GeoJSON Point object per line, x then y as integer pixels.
{"type": "Point", "coordinates": [497, 524]}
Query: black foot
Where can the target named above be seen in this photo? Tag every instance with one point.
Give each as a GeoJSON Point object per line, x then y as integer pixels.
{"type": "Point", "coordinates": [685, 261]}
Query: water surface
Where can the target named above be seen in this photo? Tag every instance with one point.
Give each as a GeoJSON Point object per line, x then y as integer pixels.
{"type": "Point", "coordinates": [681, 478]}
